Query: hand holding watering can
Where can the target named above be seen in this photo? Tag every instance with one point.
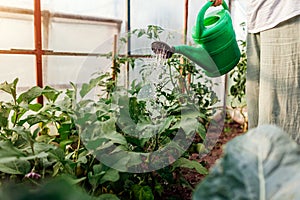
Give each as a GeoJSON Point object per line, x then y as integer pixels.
{"type": "Point", "coordinates": [217, 2]}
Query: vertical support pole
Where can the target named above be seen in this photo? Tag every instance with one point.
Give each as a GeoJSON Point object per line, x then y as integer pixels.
{"type": "Point", "coordinates": [128, 28]}
{"type": "Point", "coordinates": [114, 54]}
{"type": "Point", "coordinates": [38, 46]}
{"type": "Point", "coordinates": [226, 78]}
{"type": "Point", "coordinates": [186, 13]}
{"type": "Point", "coordinates": [185, 25]}
{"type": "Point", "coordinates": [114, 71]}
{"type": "Point", "coordinates": [45, 39]}
{"type": "Point", "coordinates": [186, 17]}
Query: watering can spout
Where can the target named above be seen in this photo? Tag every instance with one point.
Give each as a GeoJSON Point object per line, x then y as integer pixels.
{"type": "Point", "coordinates": [198, 55]}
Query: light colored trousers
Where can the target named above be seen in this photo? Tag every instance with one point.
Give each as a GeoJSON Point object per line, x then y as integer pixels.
{"type": "Point", "coordinates": [273, 77]}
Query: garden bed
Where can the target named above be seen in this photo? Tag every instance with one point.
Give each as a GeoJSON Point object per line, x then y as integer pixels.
{"type": "Point", "coordinates": [231, 130]}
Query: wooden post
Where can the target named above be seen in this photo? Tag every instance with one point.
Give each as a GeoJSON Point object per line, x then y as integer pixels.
{"type": "Point", "coordinates": [186, 13]}
{"type": "Point", "coordinates": [38, 46]}
{"type": "Point", "coordinates": [128, 50]}
{"type": "Point", "coordinates": [186, 17]}
{"type": "Point", "coordinates": [114, 54]}
{"type": "Point", "coordinates": [185, 27]}
{"type": "Point", "coordinates": [46, 26]}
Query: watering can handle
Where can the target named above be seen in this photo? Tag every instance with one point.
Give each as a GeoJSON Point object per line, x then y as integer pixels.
{"type": "Point", "coordinates": [200, 19]}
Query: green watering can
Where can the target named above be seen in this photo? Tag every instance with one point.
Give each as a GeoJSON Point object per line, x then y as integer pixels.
{"type": "Point", "coordinates": [217, 51]}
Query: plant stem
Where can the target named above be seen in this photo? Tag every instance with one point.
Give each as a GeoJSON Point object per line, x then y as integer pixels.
{"type": "Point", "coordinates": [171, 78]}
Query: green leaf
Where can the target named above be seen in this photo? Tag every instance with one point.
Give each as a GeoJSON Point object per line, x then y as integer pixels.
{"type": "Point", "coordinates": [94, 144]}
{"type": "Point", "coordinates": [110, 175]}
{"type": "Point", "coordinates": [50, 93]}
{"type": "Point", "coordinates": [107, 197]}
{"type": "Point", "coordinates": [95, 176]}
{"type": "Point", "coordinates": [10, 88]}
{"type": "Point", "coordinates": [56, 168]}
{"type": "Point", "coordinates": [142, 192]}
{"type": "Point", "coordinates": [159, 188]}
{"type": "Point", "coordinates": [141, 33]}
{"type": "Point", "coordinates": [99, 169]}
{"type": "Point", "coordinates": [8, 152]}
{"type": "Point", "coordinates": [82, 157]}
{"type": "Point", "coordinates": [59, 188]}
{"type": "Point", "coordinates": [135, 159]}
{"type": "Point", "coordinates": [65, 131]}
{"type": "Point", "coordinates": [16, 167]}
{"type": "Point", "coordinates": [34, 119]}
{"type": "Point", "coordinates": [166, 124]}
{"type": "Point", "coordinates": [24, 133]}
{"type": "Point", "coordinates": [3, 121]}
{"type": "Point", "coordinates": [64, 143]}
{"type": "Point", "coordinates": [119, 160]}
{"type": "Point", "coordinates": [201, 130]}
{"type": "Point", "coordinates": [57, 154]}
{"type": "Point", "coordinates": [40, 155]}
{"type": "Point", "coordinates": [42, 147]}
{"type": "Point", "coordinates": [30, 95]}
{"type": "Point", "coordinates": [87, 87]}
{"type": "Point", "coordinates": [189, 125]}
{"type": "Point", "coordinates": [190, 164]}
{"type": "Point", "coordinates": [4, 114]}
{"type": "Point", "coordinates": [35, 107]}
{"type": "Point", "coordinates": [71, 180]}
{"type": "Point", "coordinates": [116, 138]}
{"type": "Point", "coordinates": [264, 163]}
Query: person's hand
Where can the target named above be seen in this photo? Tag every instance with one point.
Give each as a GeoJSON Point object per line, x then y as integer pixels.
{"type": "Point", "coordinates": [217, 2]}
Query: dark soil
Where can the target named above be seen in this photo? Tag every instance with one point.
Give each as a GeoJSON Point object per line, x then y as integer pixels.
{"type": "Point", "coordinates": [178, 191]}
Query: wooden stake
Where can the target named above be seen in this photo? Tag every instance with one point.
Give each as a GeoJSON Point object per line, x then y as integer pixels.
{"type": "Point", "coordinates": [114, 54]}
{"type": "Point", "coordinates": [185, 27]}
{"type": "Point", "coordinates": [38, 46]}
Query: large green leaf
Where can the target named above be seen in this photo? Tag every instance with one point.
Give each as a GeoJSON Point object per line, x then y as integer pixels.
{"type": "Point", "coordinates": [116, 138]}
{"type": "Point", "coordinates": [8, 152]}
{"type": "Point", "coordinates": [262, 164]}
{"type": "Point", "coordinates": [142, 192]}
{"type": "Point", "coordinates": [30, 94]}
{"type": "Point", "coordinates": [10, 157]}
{"type": "Point", "coordinates": [95, 176]}
{"type": "Point", "coordinates": [58, 188]}
{"type": "Point", "coordinates": [87, 87]}
{"type": "Point", "coordinates": [190, 164]}
{"type": "Point", "coordinates": [110, 175]}
{"type": "Point", "coordinates": [35, 107]}
{"type": "Point", "coordinates": [102, 174]}
{"type": "Point", "coordinates": [50, 93]}
{"type": "Point", "coordinates": [37, 118]}
{"type": "Point", "coordinates": [10, 88]}
{"type": "Point", "coordinates": [107, 197]}
{"type": "Point", "coordinates": [15, 167]}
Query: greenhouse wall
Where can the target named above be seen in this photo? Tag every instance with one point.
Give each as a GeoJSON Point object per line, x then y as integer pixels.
{"type": "Point", "coordinates": [91, 32]}
{"type": "Point", "coordinates": [64, 33]}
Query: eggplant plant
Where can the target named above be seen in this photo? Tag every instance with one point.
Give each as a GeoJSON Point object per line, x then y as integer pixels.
{"type": "Point", "coordinates": [129, 143]}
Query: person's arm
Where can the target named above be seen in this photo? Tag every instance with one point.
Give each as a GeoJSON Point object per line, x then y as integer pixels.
{"type": "Point", "coordinates": [217, 2]}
